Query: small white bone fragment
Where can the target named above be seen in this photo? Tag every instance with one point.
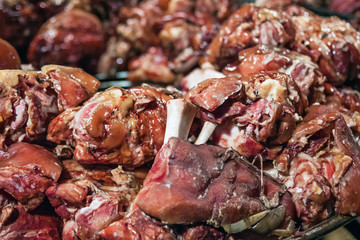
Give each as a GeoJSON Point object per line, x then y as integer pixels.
{"type": "Point", "coordinates": [206, 132]}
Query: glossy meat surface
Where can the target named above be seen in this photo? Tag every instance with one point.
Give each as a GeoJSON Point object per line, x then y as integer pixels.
{"type": "Point", "coordinates": [114, 127]}
{"type": "Point", "coordinates": [305, 73]}
{"type": "Point", "coordinates": [255, 113]}
{"type": "Point", "coordinates": [26, 171]}
{"type": "Point", "coordinates": [73, 38]}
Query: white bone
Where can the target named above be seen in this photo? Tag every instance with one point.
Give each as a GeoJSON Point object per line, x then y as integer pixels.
{"type": "Point", "coordinates": [180, 115]}
{"type": "Point", "coordinates": [206, 132]}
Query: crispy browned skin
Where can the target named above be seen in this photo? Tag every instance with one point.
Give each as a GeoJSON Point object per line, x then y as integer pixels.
{"type": "Point", "coordinates": [26, 171]}
{"type": "Point", "coordinates": [9, 58]}
{"type": "Point", "coordinates": [51, 45]}
{"type": "Point", "coordinates": [114, 127]}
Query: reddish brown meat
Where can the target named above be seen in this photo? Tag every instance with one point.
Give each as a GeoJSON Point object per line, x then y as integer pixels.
{"type": "Point", "coordinates": [136, 225]}
{"type": "Point", "coordinates": [9, 58]}
{"type": "Point", "coordinates": [305, 73]}
{"type": "Point", "coordinates": [20, 224]}
{"type": "Point", "coordinates": [170, 35]}
{"type": "Point", "coordinates": [30, 100]}
{"type": "Point", "coordinates": [324, 158]}
{"type": "Point", "coordinates": [255, 113]}
{"type": "Point", "coordinates": [332, 43]}
{"type": "Point", "coordinates": [26, 171]}
{"type": "Point", "coordinates": [115, 127]}
{"type": "Point", "coordinates": [189, 184]}
{"type": "Point", "coordinates": [247, 27]}
{"type": "Point", "coordinates": [20, 20]}
{"type": "Point", "coordinates": [73, 38]}
{"type": "Point", "coordinates": [90, 198]}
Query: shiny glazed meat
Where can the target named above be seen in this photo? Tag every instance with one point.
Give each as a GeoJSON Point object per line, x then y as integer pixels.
{"type": "Point", "coordinates": [26, 171]}
{"type": "Point", "coordinates": [117, 126]}
{"type": "Point", "coordinates": [189, 184]}
{"type": "Point", "coordinates": [88, 198]}
{"type": "Point", "coordinates": [73, 38]}
{"type": "Point", "coordinates": [254, 114]}
{"type": "Point", "coordinates": [247, 27]}
{"type": "Point", "coordinates": [322, 149]}
{"type": "Point", "coordinates": [16, 223]}
{"type": "Point", "coordinates": [30, 100]}
{"type": "Point", "coordinates": [305, 73]}
{"type": "Point", "coordinates": [9, 58]}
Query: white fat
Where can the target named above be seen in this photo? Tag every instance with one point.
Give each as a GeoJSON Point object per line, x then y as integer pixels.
{"type": "Point", "coordinates": [10, 77]}
{"type": "Point", "coordinates": [272, 90]}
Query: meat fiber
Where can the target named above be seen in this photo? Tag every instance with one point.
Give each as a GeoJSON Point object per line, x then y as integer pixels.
{"type": "Point", "coordinates": [195, 184]}
{"type": "Point", "coordinates": [320, 164]}
{"type": "Point", "coordinates": [88, 198]}
{"type": "Point", "coordinates": [332, 43]}
{"type": "Point", "coordinates": [117, 126]}
{"type": "Point", "coordinates": [26, 171]}
{"type": "Point", "coordinates": [255, 114]}
{"type": "Point", "coordinates": [16, 223]}
{"type": "Point", "coordinates": [30, 100]}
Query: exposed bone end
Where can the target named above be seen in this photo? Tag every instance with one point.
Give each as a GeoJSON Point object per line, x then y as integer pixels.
{"type": "Point", "coordinates": [245, 223]}
{"type": "Point", "coordinates": [205, 133]}
{"type": "Point", "coordinates": [180, 115]}
{"type": "Point", "coordinates": [10, 78]}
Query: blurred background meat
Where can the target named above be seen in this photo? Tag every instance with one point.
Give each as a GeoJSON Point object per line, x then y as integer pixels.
{"type": "Point", "coordinates": [9, 58]}
{"type": "Point", "coordinates": [72, 38]}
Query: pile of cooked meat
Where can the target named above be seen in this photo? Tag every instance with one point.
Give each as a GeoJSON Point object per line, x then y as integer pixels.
{"type": "Point", "coordinates": [260, 139]}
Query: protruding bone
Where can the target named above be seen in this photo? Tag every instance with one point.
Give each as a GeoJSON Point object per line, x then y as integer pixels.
{"type": "Point", "coordinates": [245, 223]}
{"type": "Point", "coordinates": [206, 132]}
{"type": "Point", "coordinates": [180, 115]}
